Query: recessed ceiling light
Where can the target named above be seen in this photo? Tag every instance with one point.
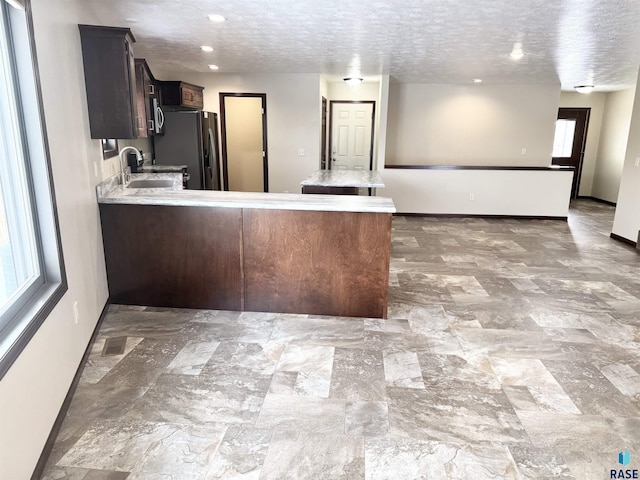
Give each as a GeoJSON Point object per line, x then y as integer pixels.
{"type": "Point", "coordinates": [477, 80]}
{"type": "Point", "coordinates": [216, 18]}
{"type": "Point", "coordinates": [517, 52]}
{"type": "Point", "coordinates": [214, 67]}
{"type": "Point", "coordinates": [206, 48]}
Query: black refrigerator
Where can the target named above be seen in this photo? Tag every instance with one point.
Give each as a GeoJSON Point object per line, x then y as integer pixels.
{"type": "Point", "coordinates": [191, 138]}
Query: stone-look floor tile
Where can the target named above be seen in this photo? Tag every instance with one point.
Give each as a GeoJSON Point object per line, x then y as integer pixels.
{"type": "Point", "coordinates": [539, 463]}
{"type": "Point", "coordinates": [553, 398]}
{"type": "Point", "coordinates": [391, 342]}
{"type": "Point", "coordinates": [283, 383]}
{"type": "Point", "coordinates": [624, 378]}
{"type": "Point", "coordinates": [104, 400]}
{"type": "Point", "coordinates": [589, 465]}
{"type": "Point", "coordinates": [192, 358]}
{"type": "Point", "coordinates": [64, 473]}
{"type": "Point", "coordinates": [521, 398]}
{"type": "Point", "coordinates": [99, 365]}
{"type": "Point", "coordinates": [104, 475]}
{"type": "Point", "coordinates": [152, 447]}
{"type": "Point", "coordinates": [309, 414]}
{"type": "Point", "coordinates": [259, 358]}
{"type": "Point", "coordinates": [298, 455]}
{"type": "Point", "coordinates": [508, 343]}
{"type": "Point", "coordinates": [577, 335]}
{"type": "Point", "coordinates": [329, 331]}
{"type": "Point", "coordinates": [451, 415]}
{"type": "Point", "coordinates": [358, 375]}
{"type": "Point", "coordinates": [145, 363]}
{"type": "Point", "coordinates": [185, 453]}
{"type": "Point", "coordinates": [391, 458]}
{"type": "Point", "coordinates": [395, 325]}
{"type": "Point", "coordinates": [241, 454]}
{"type": "Point", "coordinates": [312, 385]}
{"type": "Point", "coordinates": [481, 303]}
{"type": "Point", "coordinates": [543, 388]}
{"type": "Point", "coordinates": [367, 419]}
{"type": "Point", "coordinates": [570, 432]}
{"type": "Point", "coordinates": [306, 358]}
{"type": "Point", "coordinates": [590, 390]}
{"type": "Point", "coordinates": [402, 369]}
{"type": "Point", "coordinates": [227, 394]}
{"type": "Point", "coordinates": [464, 369]}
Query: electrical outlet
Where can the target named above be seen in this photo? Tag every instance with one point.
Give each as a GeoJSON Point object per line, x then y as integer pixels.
{"type": "Point", "coordinates": [472, 197]}
{"type": "Point", "coordinates": [76, 313]}
{"type": "Point", "coordinates": [301, 152]}
{"type": "Point", "coordinates": [523, 151]}
{"type": "Point", "coordinates": [637, 161]}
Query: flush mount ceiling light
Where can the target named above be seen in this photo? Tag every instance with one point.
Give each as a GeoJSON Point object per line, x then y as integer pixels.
{"type": "Point", "coordinates": [215, 18]}
{"type": "Point", "coordinates": [517, 53]}
{"type": "Point", "coordinates": [206, 48]}
{"type": "Point", "coordinates": [353, 81]}
{"type": "Point", "coordinates": [584, 88]}
{"type": "Point", "coordinates": [214, 67]}
{"type": "Point", "coordinates": [477, 80]}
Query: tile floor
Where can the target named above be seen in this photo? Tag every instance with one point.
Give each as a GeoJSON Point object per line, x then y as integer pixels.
{"type": "Point", "coordinates": [512, 351]}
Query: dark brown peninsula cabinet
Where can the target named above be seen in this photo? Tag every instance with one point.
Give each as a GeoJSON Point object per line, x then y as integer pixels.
{"type": "Point", "coordinates": [110, 80]}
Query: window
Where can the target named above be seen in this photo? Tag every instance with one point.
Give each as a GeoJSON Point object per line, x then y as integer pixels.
{"type": "Point", "coordinates": [563, 138]}
{"type": "Point", "coordinates": [32, 276]}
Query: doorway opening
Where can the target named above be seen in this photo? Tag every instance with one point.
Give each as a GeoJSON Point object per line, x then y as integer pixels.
{"type": "Point", "coordinates": [245, 166]}
{"type": "Point", "coordinates": [351, 138]}
{"type": "Point", "coordinates": [569, 142]}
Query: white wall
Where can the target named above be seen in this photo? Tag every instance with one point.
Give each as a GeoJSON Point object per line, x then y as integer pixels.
{"type": "Point", "coordinates": [471, 124]}
{"type": "Point", "coordinates": [627, 218]}
{"type": "Point", "coordinates": [339, 90]}
{"type": "Point", "coordinates": [32, 391]}
{"type": "Point", "coordinates": [495, 192]}
{"type": "Point", "coordinates": [293, 121]}
{"type": "Point", "coordinates": [596, 102]}
{"type": "Point", "coordinates": [614, 134]}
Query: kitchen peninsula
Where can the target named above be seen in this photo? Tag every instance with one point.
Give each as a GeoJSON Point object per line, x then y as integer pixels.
{"type": "Point", "coordinates": [342, 182]}
{"type": "Point", "coordinates": [269, 252]}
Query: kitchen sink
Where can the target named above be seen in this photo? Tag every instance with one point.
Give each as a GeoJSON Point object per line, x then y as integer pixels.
{"type": "Point", "coordinates": [151, 183]}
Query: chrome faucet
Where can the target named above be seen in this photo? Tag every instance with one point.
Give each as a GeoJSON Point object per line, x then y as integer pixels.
{"type": "Point", "coordinates": [124, 176]}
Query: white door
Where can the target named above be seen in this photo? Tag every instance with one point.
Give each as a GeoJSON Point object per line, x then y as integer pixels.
{"type": "Point", "coordinates": [245, 151]}
{"type": "Point", "coordinates": [351, 135]}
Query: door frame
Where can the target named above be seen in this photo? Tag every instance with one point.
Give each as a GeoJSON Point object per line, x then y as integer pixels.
{"type": "Point", "coordinates": [323, 135]}
{"type": "Point", "coordinates": [223, 134]}
{"type": "Point", "coordinates": [373, 128]}
{"type": "Point", "coordinates": [580, 143]}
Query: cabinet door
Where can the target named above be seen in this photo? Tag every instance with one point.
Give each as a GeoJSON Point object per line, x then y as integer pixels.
{"type": "Point", "coordinates": [109, 73]}
{"type": "Point", "coordinates": [145, 92]}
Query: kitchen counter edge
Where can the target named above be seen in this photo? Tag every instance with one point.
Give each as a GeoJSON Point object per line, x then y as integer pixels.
{"type": "Point", "coordinates": [109, 192]}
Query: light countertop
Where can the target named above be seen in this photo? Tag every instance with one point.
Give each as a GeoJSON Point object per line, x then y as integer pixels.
{"type": "Point", "coordinates": [111, 191]}
{"type": "Point", "coordinates": [344, 178]}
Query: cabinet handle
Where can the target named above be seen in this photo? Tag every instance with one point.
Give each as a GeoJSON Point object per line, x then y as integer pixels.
{"type": "Point", "coordinates": [152, 89]}
{"type": "Point", "coordinates": [151, 126]}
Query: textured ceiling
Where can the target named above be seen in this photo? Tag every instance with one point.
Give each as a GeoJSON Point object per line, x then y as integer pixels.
{"type": "Point", "coordinates": [573, 42]}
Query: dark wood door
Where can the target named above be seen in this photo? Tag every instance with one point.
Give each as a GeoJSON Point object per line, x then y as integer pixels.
{"type": "Point", "coordinates": [323, 136]}
{"type": "Point", "coordinates": [570, 140]}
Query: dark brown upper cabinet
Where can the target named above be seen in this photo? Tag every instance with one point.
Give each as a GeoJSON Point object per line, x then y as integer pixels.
{"type": "Point", "coordinates": [109, 72]}
{"type": "Point", "coordinates": [145, 93]}
{"type": "Point", "coordinates": [181, 94]}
